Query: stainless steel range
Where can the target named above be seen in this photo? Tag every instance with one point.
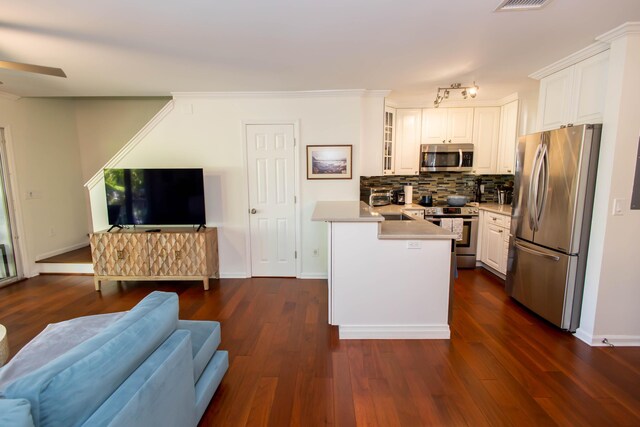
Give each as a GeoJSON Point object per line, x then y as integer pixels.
{"type": "Point", "coordinates": [466, 248]}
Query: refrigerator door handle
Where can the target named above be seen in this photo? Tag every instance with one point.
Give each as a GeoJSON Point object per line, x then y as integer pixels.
{"type": "Point", "coordinates": [533, 189]}
{"type": "Point", "coordinates": [544, 168]}
{"type": "Point", "coordinates": [534, 252]}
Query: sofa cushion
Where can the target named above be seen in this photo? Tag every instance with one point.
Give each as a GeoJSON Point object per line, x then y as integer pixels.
{"type": "Point", "coordinates": [15, 413]}
{"type": "Point", "coordinates": [205, 339]}
{"type": "Point", "coordinates": [66, 391]}
{"type": "Point", "coordinates": [54, 341]}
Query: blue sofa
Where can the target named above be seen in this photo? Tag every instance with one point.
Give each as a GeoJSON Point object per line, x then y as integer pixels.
{"type": "Point", "coordinates": [147, 368]}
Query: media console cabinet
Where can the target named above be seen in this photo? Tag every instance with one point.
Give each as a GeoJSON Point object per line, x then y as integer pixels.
{"type": "Point", "coordinates": [170, 254]}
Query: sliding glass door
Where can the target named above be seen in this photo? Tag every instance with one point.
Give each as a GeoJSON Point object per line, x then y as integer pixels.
{"type": "Point", "coordinates": [8, 265]}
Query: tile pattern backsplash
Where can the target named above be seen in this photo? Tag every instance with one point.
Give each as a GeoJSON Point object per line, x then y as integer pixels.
{"type": "Point", "coordinates": [439, 184]}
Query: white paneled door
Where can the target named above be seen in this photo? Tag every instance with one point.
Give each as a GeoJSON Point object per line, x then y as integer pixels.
{"type": "Point", "coordinates": [272, 219]}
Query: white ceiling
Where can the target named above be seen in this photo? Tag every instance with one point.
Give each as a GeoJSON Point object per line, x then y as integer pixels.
{"type": "Point", "coordinates": [154, 47]}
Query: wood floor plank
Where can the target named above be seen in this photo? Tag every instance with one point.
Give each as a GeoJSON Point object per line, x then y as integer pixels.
{"type": "Point", "coordinates": [502, 366]}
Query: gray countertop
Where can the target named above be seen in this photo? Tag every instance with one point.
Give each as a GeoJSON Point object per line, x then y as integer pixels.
{"type": "Point", "coordinates": [361, 212]}
{"type": "Point", "coordinates": [355, 211]}
{"type": "Point", "coordinates": [496, 208]}
{"type": "Point", "coordinates": [412, 230]}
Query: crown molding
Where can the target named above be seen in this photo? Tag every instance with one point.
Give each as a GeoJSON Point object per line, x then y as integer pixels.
{"type": "Point", "coordinates": [286, 94]}
{"type": "Point", "coordinates": [9, 96]}
{"type": "Point", "coordinates": [622, 30]}
{"type": "Point", "coordinates": [589, 51]}
{"type": "Point", "coordinates": [457, 103]}
{"type": "Point", "coordinates": [133, 142]}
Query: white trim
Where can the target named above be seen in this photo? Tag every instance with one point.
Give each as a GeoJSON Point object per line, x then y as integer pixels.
{"type": "Point", "coordinates": [313, 276]}
{"type": "Point", "coordinates": [509, 98]}
{"type": "Point", "coordinates": [589, 51]}
{"type": "Point", "coordinates": [24, 266]}
{"type": "Point", "coordinates": [285, 94]}
{"type": "Point", "coordinates": [436, 332]}
{"type": "Point", "coordinates": [62, 250]}
{"type": "Point", "coordinates": [234, 276]}
{"type": "Point", "coordinates": [620, 31]}
{"type": "Point", "coordinates": [65, 268]}
{"type": "Point", "coordinates": [457, 103]}
{"type": "Point", "coordinates": [133, 142]}
{"type": "Point", "coordinates": [296, 190]}
{"type": "Point", "coordinates": [616, 340]}
{"type": "Point", "coordinates": [9, 96]}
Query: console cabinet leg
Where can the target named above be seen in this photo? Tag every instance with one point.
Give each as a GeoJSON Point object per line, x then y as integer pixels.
{"type": "Point", "coordinates": [96, 282]}
{"type": "Point", "coordinates": [205, 281]}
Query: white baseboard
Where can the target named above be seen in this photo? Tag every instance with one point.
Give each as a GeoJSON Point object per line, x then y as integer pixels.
{"type": "Point", "coordinates": [62, 250]}
{"type": "Point", "coordinates": [616, 340]}
{"type": "Point", "coordinates": [233, 275]}
{"type": "Point", "coordinates": [391, 332]}
{"type": "Point", "coordinates": [312, 276]}
{"type": "Point", "coordinates": [65, 268]}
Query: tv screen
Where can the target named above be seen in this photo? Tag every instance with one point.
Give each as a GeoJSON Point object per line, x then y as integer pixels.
{"type": "Point", "coordinates": [155, 196]}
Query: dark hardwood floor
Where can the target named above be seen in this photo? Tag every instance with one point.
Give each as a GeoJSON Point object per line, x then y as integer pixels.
{"type": "Point", "coordinates": [502, 366]}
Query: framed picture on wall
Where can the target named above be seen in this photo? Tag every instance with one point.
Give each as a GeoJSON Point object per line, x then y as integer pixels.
{"type": "Point", "coordinates": [329, 161]}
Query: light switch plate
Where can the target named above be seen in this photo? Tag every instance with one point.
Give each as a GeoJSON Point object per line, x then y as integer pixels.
{"type": "Point", "coordinates": [618, 206]}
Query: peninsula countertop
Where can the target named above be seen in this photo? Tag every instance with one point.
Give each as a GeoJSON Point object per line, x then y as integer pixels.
{"type": "Point", "coordinates": [357, 211]}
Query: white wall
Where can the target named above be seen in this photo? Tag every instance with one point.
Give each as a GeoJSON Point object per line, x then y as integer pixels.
{"type": "Point", "coordinates": [105, 125]}
{"type": "Point", "coordinates": [612, 286]}
{"type": "Point", "coordinates": [43, 145]}
{"type": "Point", "coordinates": [206, 131]}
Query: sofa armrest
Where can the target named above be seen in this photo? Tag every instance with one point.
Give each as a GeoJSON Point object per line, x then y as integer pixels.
{"type": "Point", "coordinates": [15, 413]}
{"type": "Point", "coordinates": [161, 392]}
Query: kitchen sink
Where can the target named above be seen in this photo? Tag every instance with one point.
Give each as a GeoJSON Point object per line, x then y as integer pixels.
{"type": "Point", "coordinates": [397, 217]}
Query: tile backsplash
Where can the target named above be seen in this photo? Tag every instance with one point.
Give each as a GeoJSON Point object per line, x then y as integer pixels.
{"type": "Point", "coordinates": [439, 184]}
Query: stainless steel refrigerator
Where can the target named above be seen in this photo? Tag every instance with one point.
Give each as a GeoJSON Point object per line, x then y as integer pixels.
{"type": "Point", "coordinates": [551, 220]}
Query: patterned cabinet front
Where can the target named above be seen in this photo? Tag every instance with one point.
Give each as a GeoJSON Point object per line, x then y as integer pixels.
{"type": "Point", "coordinates": [178, 254]}
{"type": "Point", "coordinates": [120, 254]}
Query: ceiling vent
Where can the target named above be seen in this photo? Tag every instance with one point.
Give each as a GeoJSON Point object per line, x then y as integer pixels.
{"type": "Point", "coordinates": [516, 5]}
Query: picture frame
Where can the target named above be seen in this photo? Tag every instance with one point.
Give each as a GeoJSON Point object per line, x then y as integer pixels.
{"type": "Point", "coordinates": [329, 161]}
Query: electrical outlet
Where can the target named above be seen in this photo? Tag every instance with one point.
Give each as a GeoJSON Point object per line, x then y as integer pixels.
{"type": "Point", "coordinates": [316, 252]}
{"type": "Point", "coordinates": [413, 244]}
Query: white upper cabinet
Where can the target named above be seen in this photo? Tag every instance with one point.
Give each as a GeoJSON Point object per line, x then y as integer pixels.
{"type": "Point", "coordinates": [447, 125]}
{"type": "Point", "coordinates": [508, 138]}
{"type": "Point", "coordinates": [486, 131]}
{"type": "Point", "coordinates": [408, 132]}
{"type": "Point", "coordinates": [434, 125]}
{"type": "Point", "coordinates": [553, 104]}
{"type": "Point", "coordinates": [589, 89]}
{"type": "Point", "coordinates": [575, 95]}
{"type": "Point", "coordinates": [389, 141]}
{"type": "Point", "coordinates": [460, 125]}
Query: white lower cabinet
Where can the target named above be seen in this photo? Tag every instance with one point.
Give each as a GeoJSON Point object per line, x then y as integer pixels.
{"type": "Point", "coordinates": [494, 240]}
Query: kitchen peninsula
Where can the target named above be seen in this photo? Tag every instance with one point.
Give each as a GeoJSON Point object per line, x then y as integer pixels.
{"type": "Point", "coordinates": [387, 279]}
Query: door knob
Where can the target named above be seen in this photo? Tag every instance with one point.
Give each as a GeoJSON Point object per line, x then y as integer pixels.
{"type": "Point", "coordinates": [253, 211]}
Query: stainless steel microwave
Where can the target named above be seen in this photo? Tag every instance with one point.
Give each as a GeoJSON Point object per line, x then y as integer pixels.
{"type": "Point", "coordinates": [446, 157]}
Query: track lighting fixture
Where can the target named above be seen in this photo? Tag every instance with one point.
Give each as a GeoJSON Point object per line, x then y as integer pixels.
{"type": "Point", "coordinates": [466, 91]}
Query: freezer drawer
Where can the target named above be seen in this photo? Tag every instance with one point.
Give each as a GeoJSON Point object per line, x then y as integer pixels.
{"type": "Point", "coordinates": [544, 281]}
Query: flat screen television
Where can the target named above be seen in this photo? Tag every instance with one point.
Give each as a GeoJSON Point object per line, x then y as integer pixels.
{"type": "Point", "coordinates": [155, 196]}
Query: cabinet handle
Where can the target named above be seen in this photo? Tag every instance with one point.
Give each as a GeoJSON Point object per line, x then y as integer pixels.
{"type": "Point", "coordinates": [500, 231]}
{"type": "Point", "coordinates": [444, 141]}
{"type": "Point", "coordinates": [494, 219]}
{"type": "Point", "coordinates": [449, 141]}
{"type": "Point", "coordinates": [509, 170]}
